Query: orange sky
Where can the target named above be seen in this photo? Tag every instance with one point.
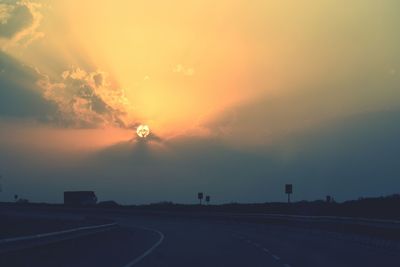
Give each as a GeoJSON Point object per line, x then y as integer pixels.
{"type": "Point", "coordinates": [240, 96]}
{"type": "Point", "coordinates": [180, 64]}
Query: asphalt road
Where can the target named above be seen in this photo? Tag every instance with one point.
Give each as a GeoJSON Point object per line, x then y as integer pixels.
{"type": "Point", "coordinates": [167, 241]}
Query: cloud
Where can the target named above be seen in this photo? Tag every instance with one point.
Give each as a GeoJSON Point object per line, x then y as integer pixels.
{"type": "Point", "coordinates": [85, 99]}
{"type": "Point", "coordinates": [13, 19]}
{"type": "Point", "coordinates": [358, 151]}
{"type": "Point", "coordinates": [347, 158]}
{"type": "Point", "coordinates": [19, 23]}
{"type": "Point", "coordinates": [77, 99]}
{"type": "Point", "coordinates": [19, 95]}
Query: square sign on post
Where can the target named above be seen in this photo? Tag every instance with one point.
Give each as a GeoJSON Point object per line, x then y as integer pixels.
{"type": "Point", "coordinates": [288, 190]}
{"type": "Point", "coordinates": [200, 196]}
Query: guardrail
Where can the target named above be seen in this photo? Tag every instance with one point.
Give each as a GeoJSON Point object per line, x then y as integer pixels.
{"type": "Point", "coordinates": [325, 219]}
{"type": "Point", "coordinates": [392, 224]}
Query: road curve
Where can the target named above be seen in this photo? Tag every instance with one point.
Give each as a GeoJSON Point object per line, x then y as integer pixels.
{"type": "Point", "coordinates": [197, 242]}
{"type": "Point", "coordinates": [148, 251]}
{"type": "Point", "coordinates": [154, 240]}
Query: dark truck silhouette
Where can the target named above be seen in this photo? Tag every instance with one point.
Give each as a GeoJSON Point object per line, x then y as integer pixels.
{"type": "Point", "coordinates": [80, 198]}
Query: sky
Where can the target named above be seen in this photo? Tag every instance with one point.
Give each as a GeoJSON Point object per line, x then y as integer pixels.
{"type": "Point", "coordinates": [241, 97]}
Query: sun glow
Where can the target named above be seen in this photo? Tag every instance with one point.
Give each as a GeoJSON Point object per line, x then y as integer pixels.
{"type": "Point", "coordinates": [173, 66]}
{"type": "Point", "coordinates": [143, 131]}
{"type": "Point", "coordinates": [116, 64]}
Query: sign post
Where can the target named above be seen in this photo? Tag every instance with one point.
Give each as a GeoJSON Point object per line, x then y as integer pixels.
{"type": "Point", "coordinates": [208, 200]}
{"type": "Point", "coordinates": [288, 191]}
{"type": "Point", "coordinates": [200, 196]}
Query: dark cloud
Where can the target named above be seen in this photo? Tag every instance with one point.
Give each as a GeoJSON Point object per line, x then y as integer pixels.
{"type": "Point", "coordinates": [14, 19]}
{"type": "Point", "coordinates": [98, 79]}
{"type": "Point", "coordinates": [19, 23]}
{"type": "Point", "coordinates": [352, 157]}
{"type": "Point", "coordinates": [347, 158]}
{"type": "Point", "coordinates": [84, 99]}
{"type": "Point", "coordinates": [77, 99]}
{"type": "Point", "coordinates": [19, 94]}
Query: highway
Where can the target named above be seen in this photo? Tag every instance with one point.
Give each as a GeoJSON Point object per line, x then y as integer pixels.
{"type": "Point", "coordinates": [149, 240]}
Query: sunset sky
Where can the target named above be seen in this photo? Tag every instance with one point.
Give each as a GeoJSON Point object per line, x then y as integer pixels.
{"type": "Point", "coordinates": [240, 97]}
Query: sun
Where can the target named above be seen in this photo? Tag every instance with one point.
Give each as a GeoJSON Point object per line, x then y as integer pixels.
{"type": "Point", "coordinates": [143, 131]}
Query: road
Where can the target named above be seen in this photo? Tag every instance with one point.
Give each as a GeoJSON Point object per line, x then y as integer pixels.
{"type": "Point", "coordinates": [144, 241]}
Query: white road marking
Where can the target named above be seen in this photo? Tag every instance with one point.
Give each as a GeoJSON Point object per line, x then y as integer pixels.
{"type": "Point", "coordinates": [275, 257]}
{"type": "Point", "coordinates": [37, 236]}
{"type": "Point", "coordinates": [267, 251]}
{"type": "Point", "coordinates": [150, 250]}
{"type": "Point", "coordinates": [41, 242]}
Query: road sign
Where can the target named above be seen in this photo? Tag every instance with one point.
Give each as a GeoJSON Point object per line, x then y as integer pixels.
{"type": "Point", "coordinates": [288, 191]}
{"type": "Point", "coordinates": [288, 188]}
{"type": "Point", "coordinates": [200, 196]}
